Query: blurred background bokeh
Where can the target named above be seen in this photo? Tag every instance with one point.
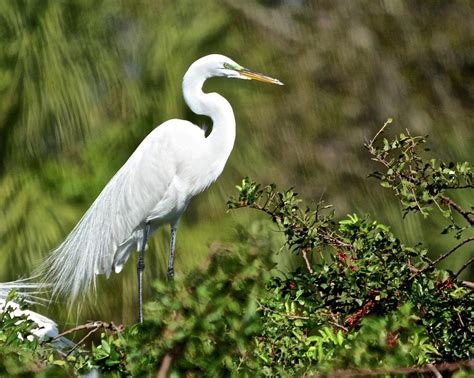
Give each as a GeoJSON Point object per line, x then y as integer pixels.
{"type": "Point", "coordinates": [82, 82]}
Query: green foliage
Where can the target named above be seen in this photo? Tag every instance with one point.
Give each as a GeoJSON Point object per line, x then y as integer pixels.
{"type": "Point", "coordinates": [422, 185]}
{"type": "Point", "coordinates": [18, 345]}
{"type": "Point", "coordinates": [363, 281]}
{"type": "Point", "coordinates": [109, 356]}
{"type": "Point", "coordinates": [359, 297]}
{"type": "Point", "coordinates": [23, 354]}
{"type": "Point", "coordinates": [82, 82]}
{"type": "Point", "coordinates": [207, 321]}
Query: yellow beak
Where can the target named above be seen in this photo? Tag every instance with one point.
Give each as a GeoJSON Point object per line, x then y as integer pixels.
{"type": "Point", "coordinates": [258, 76]}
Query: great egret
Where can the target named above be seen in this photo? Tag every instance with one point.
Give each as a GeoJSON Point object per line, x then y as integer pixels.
{"type": "Point", "coordinates": [45, 326]}
{"type": "Point", "coordinates": [174, 162]}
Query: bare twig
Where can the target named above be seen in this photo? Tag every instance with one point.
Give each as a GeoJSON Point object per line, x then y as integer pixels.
{"type": "Point", "coordinates": [92, 325]}
{"type": "Point", "coordinates": [467, 215]}
{"type": "Point", "coordinates": [337, 325]}
{"type": "Point", "coordinates": [416, 202]}
{"type": "Point", "coordinates": [442, 257]}
{"type": "Point", "coordinates": [371, 142]}
{"type": "Point", "coordinates": [305, 258]}
{"type": "Point", "coordinates": [82, 340]}
{"type": "Point", "coordinates": [460, 318]}
{"type": "Point", "coordinates": [413, 268]}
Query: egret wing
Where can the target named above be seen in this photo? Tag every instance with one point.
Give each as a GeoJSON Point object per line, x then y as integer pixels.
{"type": "Point", "coordinates": [121, 207]}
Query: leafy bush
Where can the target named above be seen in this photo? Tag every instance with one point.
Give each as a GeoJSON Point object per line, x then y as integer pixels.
{"type": "Point", "coordinates": [363, 281]}
{"type": "Point", "coordinates": [207, 321]}
{"type": "Point", "coordinates": [359, 298]}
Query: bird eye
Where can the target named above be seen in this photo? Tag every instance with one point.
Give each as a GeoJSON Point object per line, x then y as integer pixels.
{"type": "Point", "coordinates": [228, 66]}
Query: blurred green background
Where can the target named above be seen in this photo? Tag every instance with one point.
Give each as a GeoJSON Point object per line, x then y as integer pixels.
{"type": "Point", "coordinates": [82, 82]}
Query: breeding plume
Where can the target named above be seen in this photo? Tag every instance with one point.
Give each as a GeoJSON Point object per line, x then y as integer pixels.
{"type": "Point", "coordinates": [174, 162]}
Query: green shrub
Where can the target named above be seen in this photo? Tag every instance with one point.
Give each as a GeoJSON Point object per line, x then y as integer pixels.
{"type": "Point", "coordinates": [359, 298]}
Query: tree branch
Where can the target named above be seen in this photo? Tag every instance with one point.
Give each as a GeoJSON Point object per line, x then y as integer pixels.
{"type": "Point", "coordinates": [92, 325]}
{"type": "Point", "coordinates": [164, 366]}
{"type": "Point", "coordinates": [337, 325]}
{"type": "Point", "coordinates": [442, 257]}
{"type": "Point", "coordinates": [305, 258]}
{"type": "Point", "coordinates": [465, 214]}
{"type": "Point", "coordinates": [371, 142]}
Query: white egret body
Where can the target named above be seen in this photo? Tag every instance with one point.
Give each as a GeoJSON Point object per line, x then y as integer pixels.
{"type": "Point", "coordinates": [45, 326]}
{"type": "Point", "coordinates": [172, 164]}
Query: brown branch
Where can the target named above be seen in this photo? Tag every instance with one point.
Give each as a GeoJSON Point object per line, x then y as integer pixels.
{"type": "Point", "coordinates": [337, 325]}
{"type": "Point", "coordinates": [442, 257]}
{"type": "Point", "coordinates": [459, 318]}
{"type": "Point", "coordinates": [424, 369]}
{"type": "Point", "coordinates": [465, 214]}
{"type": "Point", "coordinates": [371, 142]}
{"type": "Point", "coordinates": [412, 268]}
{"type": "Point", "coordinates": [82, 340]}
{"type": "Point", "coordinates": [305, 258]}
{"type": "Point", "coordinates": [92, 325]}
{"type": "Point", "coordinates": [468, 284]}
{"type": "Point", "coordinates": [164, 366]}
{"type": "Point", "coordinates": [330, 239]}
{"type": "Point", "coordinates": [435, 371]}
{"type": "Point", "coordinates": [416, 202]}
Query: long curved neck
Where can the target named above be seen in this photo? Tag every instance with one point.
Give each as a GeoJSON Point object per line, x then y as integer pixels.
{"type": "Point", "coordinates": [213, 105]}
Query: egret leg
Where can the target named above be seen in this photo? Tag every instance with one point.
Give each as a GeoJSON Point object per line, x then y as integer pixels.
{"type": "Point", "coordinates": [172, 248]}
{"type": "Point", "coordinates": [140, 269]}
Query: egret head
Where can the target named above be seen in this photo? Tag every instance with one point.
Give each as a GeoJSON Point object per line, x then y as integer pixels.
{"type": "Point", "coordinates": [220, 65]}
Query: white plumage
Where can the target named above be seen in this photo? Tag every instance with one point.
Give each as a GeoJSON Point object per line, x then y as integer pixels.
{"type": "Point", "coordinates": [172, 164]}
{"type": "Point", "coordinates": [45, 326]}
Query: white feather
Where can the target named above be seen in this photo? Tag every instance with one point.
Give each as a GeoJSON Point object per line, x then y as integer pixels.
{"type": "Point", "coordinates": [172, 164]}
{"type": "Point", "coordinates": [45, 326]}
